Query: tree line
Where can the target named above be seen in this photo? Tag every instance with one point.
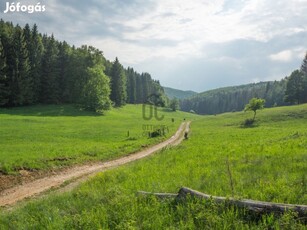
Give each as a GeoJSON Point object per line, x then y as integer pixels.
{"type": "Point", "coordinates": [38, 69]}
{"type": "Point", "coordinates": [231, 99]}
{"type": "Point", "coordinates": [288, 91]}
{"type": "Point", "coordinates": [296, 91]}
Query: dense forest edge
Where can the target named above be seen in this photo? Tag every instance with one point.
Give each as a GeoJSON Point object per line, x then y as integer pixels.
{"type": "Point", "coordinates": [38, 69]}
{"type": "Point", "coordinates": [288, 91]}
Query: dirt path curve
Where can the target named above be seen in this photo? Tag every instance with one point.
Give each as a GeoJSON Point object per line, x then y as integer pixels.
{"type": "Point", "coordinates": [80, 173]}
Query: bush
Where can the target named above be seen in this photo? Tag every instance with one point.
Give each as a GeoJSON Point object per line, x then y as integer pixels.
{"type": "Point", "coordinates": [157, 133]}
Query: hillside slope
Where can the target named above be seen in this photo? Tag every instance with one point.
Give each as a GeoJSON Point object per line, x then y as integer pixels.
{"type": "Point", "coordinates": [179, 94]}
{"type": "Point", "coordinates": [234, 98]}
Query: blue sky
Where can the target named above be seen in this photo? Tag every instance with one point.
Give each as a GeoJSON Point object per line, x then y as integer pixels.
{"type": "Point", "coordinates": [191, 45]}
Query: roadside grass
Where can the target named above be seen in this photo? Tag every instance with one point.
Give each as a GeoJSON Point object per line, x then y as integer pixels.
{"type": "Point", "coordinates": [267, 162]}
{"type": "Point", "coordinates": [52, 136]}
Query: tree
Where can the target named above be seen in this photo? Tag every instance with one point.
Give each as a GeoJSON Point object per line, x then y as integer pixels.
{"type": "Point", "coordinates": [4, 90]}
{"type": "Point", "coordinates": [295, 88]}
{"type": "Point", "coordinates": [139, 91]}
{"type": "Point", "coordinates": [63, 65]}
{"type": "Point", "coordinates": [254, 105]}
{"type": "Point", "coordinates": [174, 104]}
{"type": "Point", "coordinates": [131, 86]}
{"type": "Point", "coordinates": [304, 65]}
{"type": "Point", "coordinates": [20, 81]}
{"type": "Point", "coordinates": [49, 89]}
{"type": "Point", "coordinates": [96, 92]}
{"type": "Point", "coordinates": [304, 72]}
{"type": "Point", "coordinates": [35, 50]}
{"type": "Point", "coordinates": [118, 84]}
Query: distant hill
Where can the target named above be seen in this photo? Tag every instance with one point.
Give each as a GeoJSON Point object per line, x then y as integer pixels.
{"type": "Point", "coordinates": [179, 94]}
{"type": "Point", "coordinates": [235, 98]}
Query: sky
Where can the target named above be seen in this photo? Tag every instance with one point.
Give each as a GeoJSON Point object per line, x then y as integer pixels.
{"type": "Point", "coordinates": [190, 45]}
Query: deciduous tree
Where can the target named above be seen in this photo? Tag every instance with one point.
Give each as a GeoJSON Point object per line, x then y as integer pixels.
{"type": "Point", "coordinates": [96, 92]}
{"type": "Point", "coordinates": [174, 104]}
{"type": "Point", "coordinates": [254, 105]}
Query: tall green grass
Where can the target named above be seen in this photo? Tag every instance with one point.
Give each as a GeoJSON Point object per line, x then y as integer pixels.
{"type": "Point", "coordinates": [267, 162]}
{"type": "Point", "coordinates": [44, 137]}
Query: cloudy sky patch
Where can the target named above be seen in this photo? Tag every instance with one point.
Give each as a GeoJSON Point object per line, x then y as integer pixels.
{"type": "Point", "coordinates": [197, 44]}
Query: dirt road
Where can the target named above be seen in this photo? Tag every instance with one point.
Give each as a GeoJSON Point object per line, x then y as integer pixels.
{"type": "Point", "coordinates": [80, 173]}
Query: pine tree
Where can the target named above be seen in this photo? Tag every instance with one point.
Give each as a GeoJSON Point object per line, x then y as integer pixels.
{"type": "Point", "coordinates": [63, 64]}
{"type": "Point", "coordinates": [4, 90]}
{"type": "Point", "coordinates": [49, 89]}
{"type": "Point", "coordinates": [7, 32]}
{"type": "Point", "coordinates": [118, 84]}
{"type": "Point", "coordinates": [139, 90]}
{"type": "Point", "coordinates": [35, 49]}
{"type": "Point", "coordinates": [77, 70]}
{"type": "Point", "coordinates": [145, 87]}
{"type": "Point", "coordinates": [304, 72]}
{"type": "Point", "coordinates": [295, 89]}
{"type": "Point", "coordinates": [131, 86]}
{"type": "Point", "coordinates": [27, 81]}
{"type": "Point", "coordinates": [304, 65]}
{"type": "Point", "coordinates": [18, 64]}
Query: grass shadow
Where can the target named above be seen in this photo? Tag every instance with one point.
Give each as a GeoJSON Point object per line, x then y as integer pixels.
{"type": "Point", "coordinates": [249, 123]}
{"type": "Point", "coordinates": [48, 111]}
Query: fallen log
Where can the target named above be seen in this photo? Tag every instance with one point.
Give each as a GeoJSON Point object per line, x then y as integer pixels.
{"type": "Point", "coordinates": [260, 207]}
{"type": "Point", "coordinates": [158, 195]}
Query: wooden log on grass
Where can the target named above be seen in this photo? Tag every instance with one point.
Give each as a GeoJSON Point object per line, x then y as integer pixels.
{"type": "Point", "coordinates": [259, 207]}
{"type": "Point", "coordinates": [158, 195]}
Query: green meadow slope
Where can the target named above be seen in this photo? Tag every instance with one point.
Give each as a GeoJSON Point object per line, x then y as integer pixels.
{"type": "Point", "coordinates": [51, 136]}
{"type": "Point", "coordinates": [267, 162]}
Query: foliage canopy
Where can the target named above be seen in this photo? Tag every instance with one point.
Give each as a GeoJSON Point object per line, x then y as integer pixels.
{"type": "Point", "coordinates": [254, 105]}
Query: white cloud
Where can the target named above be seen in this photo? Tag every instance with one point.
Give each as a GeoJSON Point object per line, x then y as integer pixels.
{"type": "Point", "coordinates": [288, 55]}
{"type": "Point", "coordinates": [283, 56]}
{"type": "Point", "coordinates": [193, 24]}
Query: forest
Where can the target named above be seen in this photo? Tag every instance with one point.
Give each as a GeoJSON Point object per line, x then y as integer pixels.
{"type": "Point", "coordinates": [38, 69]}
{"type": "Point", "coordinates": [288, 91]}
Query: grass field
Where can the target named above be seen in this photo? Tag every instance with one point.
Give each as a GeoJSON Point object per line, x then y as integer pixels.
{"type": "Point", "coordinates": [267, 162]}
{"type": "Point", "coordinates": [45, 137]}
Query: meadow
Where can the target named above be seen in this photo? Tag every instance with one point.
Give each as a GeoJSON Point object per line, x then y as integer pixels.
{"type": "Point", "coordinates": [46, 137]}
{"type": "Point", "coordinates": [265, 162]}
